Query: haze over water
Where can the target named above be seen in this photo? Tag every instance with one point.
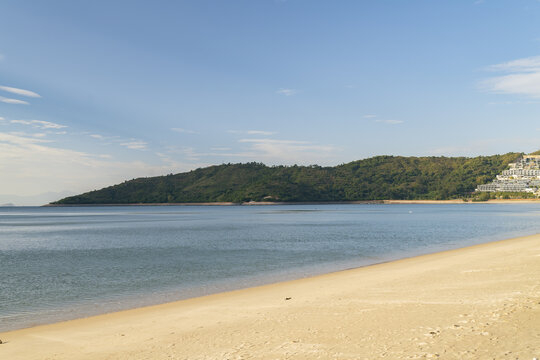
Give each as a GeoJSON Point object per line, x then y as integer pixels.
{"type": "Point", "coordinates": [62, 263]}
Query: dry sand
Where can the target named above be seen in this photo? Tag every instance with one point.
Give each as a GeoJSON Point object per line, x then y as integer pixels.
{"type": "Point", "coordinates": [481, 302]}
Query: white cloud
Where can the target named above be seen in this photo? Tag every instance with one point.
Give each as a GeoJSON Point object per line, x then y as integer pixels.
{"type": "Point", "coordinates": [520, 102]}
{"type": "Point", "coordinates": [480, 147]}
{"type": "Point", "coordinates": [260, 132]}
{"type": "Point", "coordinates": [270, 151]}
{"type": "Point", "coordinates": [32, 166]}
{"type": "Point", "coordinates": [186, 153]}
{"type": "Point", "coordinates": [33, 135]}
{"type": "Point", "coordinates": [184, 131]}
{"type": "Point", "coordinates": [20, 92]}
{"type": "Point", "coordinates": [286, 151]}
{"type": "Point", "coordinates": [252, 132]}
{"type": "Point", "coordinates": [530, 64]}
{"type": "Point", "coordinates": [287, 92]}
{"type": "Point", "coordinates": [97, 136]}
{"type": "Point", "coordinates": [523, 77]}
{"type": "Point", "coordinates": [391, 122]}
{"type": "Point", "coordinates": [274, 141]}
{"type": "Point", "coordinates": [19, 138]}
{"type": "Point", "coordinates": [13, 101]}
{"type": "Point", "coordinates": [40, 124]}
{"type": "Point", "coordinates": [135, 144]}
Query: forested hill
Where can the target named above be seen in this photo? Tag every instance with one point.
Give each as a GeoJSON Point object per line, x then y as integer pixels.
{"type": "Point", "coordinates": [376, 178]}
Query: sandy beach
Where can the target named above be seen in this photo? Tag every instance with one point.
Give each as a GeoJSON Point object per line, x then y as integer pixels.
{"type": "Point", "coordinates": [460, 201]}
{"type": "Point", "coordinates": [480, 302]}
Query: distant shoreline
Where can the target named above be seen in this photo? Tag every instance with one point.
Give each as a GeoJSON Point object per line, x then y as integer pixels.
{"type": "Point", "coordinates": [250, 203]}
{"type": "Point", "coordinates": [259, 203]}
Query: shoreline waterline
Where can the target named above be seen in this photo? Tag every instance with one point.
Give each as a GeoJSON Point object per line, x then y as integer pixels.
{"type": "Point", "coordinates": [256, 282]}
{"type": "Point", "coordinates": [273, 283]}
{"type": "Point", "coordinates": [66, 263]}
{"type": "Point", "coordinates": [270, 203]}
{"type": "Point", "coordinates": [390, 285]}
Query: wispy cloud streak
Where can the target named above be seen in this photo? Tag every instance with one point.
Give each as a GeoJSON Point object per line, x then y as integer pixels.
{"type": "Point", "coordinates": [286, 151]}
{"type": "Point", "coordinates": [20, 92]}
{"type": "Point", "coordinates": [390, 122]}
{"type": "Point", "coordinates": [183, 131]}
{"type": "Point", "coordinates": [30, 163]}
{"type": "Point", "coordinates": [287, 92]}
{"type": "Point", "coordinates": [252, 132]}
{"type": "Point", "coordinates": [13, 101]}
{"type": "Point", "coordinates": [40, 124]}
{"type": "Point", "coordinates": [522, 78]}
{"type": "Point", "coordinates": [135, 145]}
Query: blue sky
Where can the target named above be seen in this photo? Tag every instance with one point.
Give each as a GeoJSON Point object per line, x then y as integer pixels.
{"type": "Point", "coordinates": [94, 93]}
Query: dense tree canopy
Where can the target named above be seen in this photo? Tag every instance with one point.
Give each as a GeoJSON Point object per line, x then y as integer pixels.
{"type": "Point", "coordinates": [376, 178]}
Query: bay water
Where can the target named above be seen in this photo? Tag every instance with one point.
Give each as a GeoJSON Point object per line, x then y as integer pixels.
{"type": "Point", "coordinates": [59, 263]}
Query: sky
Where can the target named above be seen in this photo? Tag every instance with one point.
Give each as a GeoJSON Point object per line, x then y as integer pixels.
{"type": "Point", "coordinates": [94, 93]}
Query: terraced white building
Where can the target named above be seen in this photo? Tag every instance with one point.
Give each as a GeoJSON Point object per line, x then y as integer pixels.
{"type": "Point", "coordinates": [522, 176]}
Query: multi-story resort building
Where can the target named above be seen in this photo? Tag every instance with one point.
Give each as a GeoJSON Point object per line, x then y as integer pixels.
{"type": "Point", "coordinates": [522, 176]}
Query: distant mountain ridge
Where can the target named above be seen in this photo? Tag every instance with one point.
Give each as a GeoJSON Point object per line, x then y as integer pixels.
{"type": "Point", "coordinates": [376, 178]}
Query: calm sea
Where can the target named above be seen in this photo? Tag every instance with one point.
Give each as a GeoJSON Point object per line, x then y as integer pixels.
{"type": "Point", "coordinates": [63, 263]}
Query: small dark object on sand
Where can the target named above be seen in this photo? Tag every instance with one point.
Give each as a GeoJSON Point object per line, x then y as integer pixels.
{"type": "Point", "coordinates": [288, 298]}
{"type": "Point", "coordinates": [1, 342]}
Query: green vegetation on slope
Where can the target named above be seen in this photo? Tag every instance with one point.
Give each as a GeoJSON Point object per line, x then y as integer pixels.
{"type": "Point", "coordinates": [377, 178]}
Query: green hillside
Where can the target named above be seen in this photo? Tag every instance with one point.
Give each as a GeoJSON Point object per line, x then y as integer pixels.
{"type": "Point", "coordinates": [376, 178]}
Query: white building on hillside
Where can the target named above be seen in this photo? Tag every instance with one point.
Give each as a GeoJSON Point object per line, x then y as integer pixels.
{"type": "Point", "coordinates": [522, 176]}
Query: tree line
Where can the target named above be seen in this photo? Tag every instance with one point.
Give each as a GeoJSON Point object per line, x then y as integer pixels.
{"type": "Point", "coordinates": [376, 178]}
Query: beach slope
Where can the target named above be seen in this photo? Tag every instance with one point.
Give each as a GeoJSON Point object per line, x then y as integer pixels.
{"type": "Point", "coordinates": [480, 302]}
